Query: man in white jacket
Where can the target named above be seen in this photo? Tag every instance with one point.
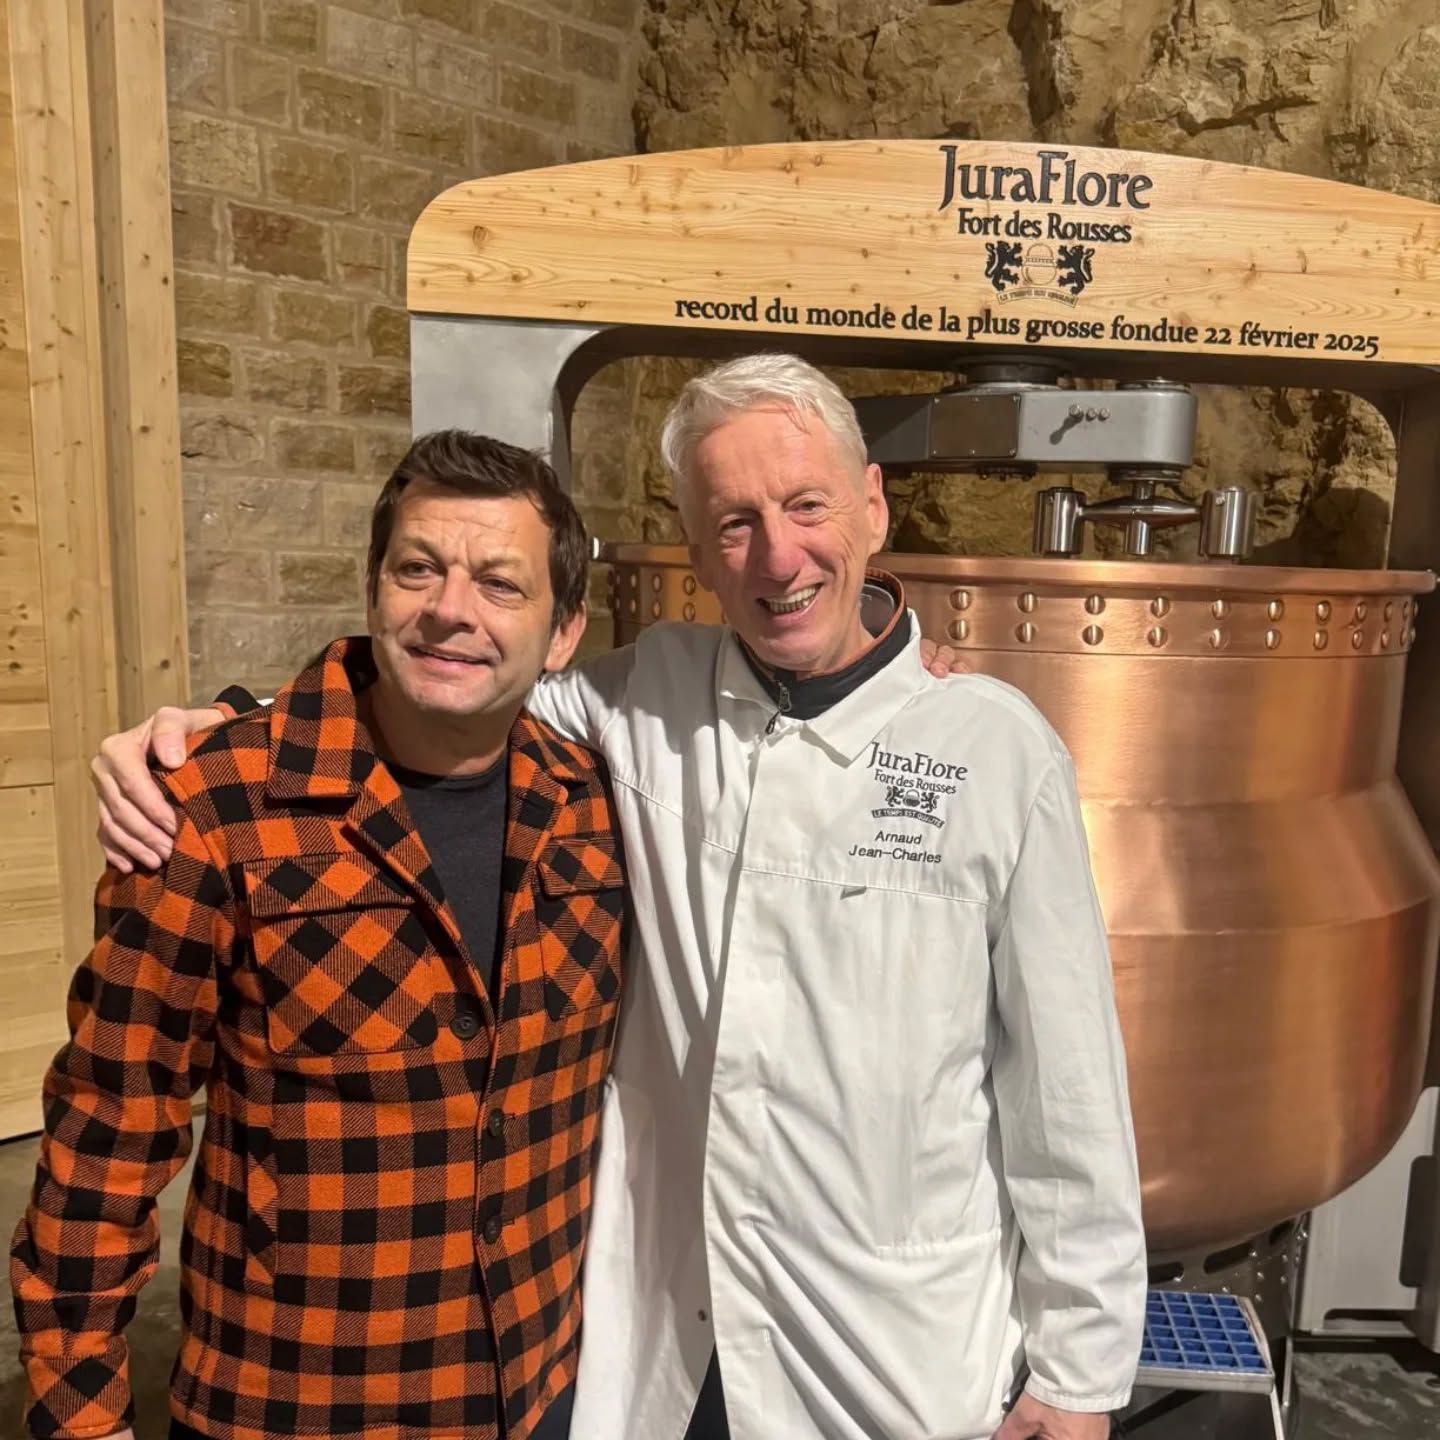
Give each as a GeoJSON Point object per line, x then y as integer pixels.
{"type": "Point", "coordinates": [866, 1153]}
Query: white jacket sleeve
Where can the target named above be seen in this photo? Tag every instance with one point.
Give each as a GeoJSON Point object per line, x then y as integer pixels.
{"type": "Point", "coordinates": [1064, 1112]}
{"type": "Point", "coordinates": [581, 701]}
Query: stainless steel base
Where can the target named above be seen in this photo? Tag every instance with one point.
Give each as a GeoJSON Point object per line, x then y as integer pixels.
{"type": "Point", "coordinates": [1264, 1269]}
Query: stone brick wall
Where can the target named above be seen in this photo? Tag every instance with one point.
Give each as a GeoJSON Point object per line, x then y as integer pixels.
{"type": "Point", "coordinates": [305, 139]}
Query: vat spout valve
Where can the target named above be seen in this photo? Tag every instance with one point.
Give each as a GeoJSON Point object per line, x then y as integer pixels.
{"type": "Point", "coordinates": [1226, 518]}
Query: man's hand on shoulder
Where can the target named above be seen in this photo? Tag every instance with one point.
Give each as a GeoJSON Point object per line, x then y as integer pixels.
{"type": "Point", "coordinates": [942, 660]}
{"type": "Point", "coordinates": [1030, 1417]}
{"type": "Point", "coordinates": [137, 825]}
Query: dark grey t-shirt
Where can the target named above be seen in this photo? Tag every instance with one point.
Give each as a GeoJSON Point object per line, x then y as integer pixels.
{"type": "Point", "coordinates": [461, 819]}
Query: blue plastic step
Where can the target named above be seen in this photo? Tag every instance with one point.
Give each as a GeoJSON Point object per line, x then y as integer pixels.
{"type": "Point", "coordinates": [1203, 1342]}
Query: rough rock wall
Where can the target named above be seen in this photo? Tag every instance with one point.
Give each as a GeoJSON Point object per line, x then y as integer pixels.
{"type": "Point", "coordinates": [1348, 91]}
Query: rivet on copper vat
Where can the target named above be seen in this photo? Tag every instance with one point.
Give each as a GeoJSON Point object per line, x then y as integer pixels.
{"type": "Point", "coordinates": [1272, 904]}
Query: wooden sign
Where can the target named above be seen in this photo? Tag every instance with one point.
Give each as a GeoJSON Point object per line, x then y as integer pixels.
{"type": "Point", "coordinates": [946, 242]}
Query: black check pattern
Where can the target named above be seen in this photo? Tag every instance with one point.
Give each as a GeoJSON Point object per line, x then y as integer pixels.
{"type": "Point", "coordinates": [368, 1250]}
{"type": "Point", "coordinates": [580, 909]}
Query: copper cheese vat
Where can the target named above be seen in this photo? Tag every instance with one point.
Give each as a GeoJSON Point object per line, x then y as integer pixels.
{"type": "Point", "coordinates": [1272, 902]}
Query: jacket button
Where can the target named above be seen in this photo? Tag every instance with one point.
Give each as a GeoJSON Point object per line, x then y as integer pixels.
{"type": "Point", "coordinates": [465, 1025]}
{"type": "Point", "coordinates": [496, 1123]}
{"type": "Point", "coordinates": [492, 1230]}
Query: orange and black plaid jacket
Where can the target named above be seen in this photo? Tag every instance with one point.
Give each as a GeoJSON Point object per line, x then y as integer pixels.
{"type": "Point", "coordinates": [389, 1206]}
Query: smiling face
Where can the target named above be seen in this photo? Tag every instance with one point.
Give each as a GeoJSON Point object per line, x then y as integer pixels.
{"type": "Point", "coordinates": [781, 525]}
{"type": "Point", "coordinates": [461, 624]}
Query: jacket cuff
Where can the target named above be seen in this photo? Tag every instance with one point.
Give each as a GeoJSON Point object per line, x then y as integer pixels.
{"type": "Point", "coordinates": [79, 1397]}
{"type": "Point", "coordinates": [1081, 1404]}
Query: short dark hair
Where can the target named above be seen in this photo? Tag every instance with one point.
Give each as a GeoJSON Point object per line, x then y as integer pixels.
{"type": "Point", "coordinates": [479, 465]}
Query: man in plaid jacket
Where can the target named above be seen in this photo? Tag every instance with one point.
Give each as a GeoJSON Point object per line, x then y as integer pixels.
{"type": "Point", "coordinates": [402, 1040]}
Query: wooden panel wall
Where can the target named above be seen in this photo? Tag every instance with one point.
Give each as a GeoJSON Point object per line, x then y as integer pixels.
{"type": "Point", "coordinates": [24, 710]}
{"type": "Point", "coordinates": [84, 212]}
{"type": "Point", "coordinates": [32, 947]}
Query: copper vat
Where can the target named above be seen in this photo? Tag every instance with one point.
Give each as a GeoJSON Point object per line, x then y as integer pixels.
{"type": "Point", "coordinates": [1272, 903]}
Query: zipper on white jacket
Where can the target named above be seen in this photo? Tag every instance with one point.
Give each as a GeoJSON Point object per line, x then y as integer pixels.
{"type": "Point", "coordinates": [782, 706]}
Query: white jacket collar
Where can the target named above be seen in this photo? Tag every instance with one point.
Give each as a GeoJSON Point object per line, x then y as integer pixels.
{"type": "Point", "coordinates": [850, 724]}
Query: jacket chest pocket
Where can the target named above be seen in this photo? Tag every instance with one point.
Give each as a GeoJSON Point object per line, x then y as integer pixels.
{"type": "Point", "coordinates": [580, 908]}
{"type": "Point", "coordinates": [343, 958]}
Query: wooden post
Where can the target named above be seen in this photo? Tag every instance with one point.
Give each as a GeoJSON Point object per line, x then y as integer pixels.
{"type": "Point", "coordinates": [62, 344]}
{"type": "Point", "coordinates": [135, 253]}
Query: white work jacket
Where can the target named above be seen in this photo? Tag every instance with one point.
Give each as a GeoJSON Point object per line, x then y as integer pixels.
{"type": "Point", "coordinates": [868, 1130]}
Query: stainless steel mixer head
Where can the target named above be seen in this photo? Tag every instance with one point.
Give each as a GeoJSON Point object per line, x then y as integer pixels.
{"type": "Point", "coordinates": [1021, 426]}
{"type": "Point", "coordinates": [1015, 417]}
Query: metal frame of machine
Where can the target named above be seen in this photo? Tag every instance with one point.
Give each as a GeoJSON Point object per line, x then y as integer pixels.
{"type": "Point", "coordinates": [962, 256]}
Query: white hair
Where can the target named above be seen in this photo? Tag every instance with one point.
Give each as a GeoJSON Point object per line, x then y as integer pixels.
{"type": "Point", "coordinates": [748, 383]}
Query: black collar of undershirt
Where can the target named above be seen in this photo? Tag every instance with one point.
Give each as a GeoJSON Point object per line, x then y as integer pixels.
{"type": "Point", "coordinates": [882, 607]}
{"type": "Point", "coordinates": [474, 780]}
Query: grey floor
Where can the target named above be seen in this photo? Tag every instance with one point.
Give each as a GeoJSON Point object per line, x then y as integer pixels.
{"type": "Point", "coordinates": [1363, 1389]}
{"type": "Point", "coordinates": [1346, 1391]}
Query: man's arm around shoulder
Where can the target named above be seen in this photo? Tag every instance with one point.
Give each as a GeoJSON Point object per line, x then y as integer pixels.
{"type": "Point", "coordinates": [580, 701]}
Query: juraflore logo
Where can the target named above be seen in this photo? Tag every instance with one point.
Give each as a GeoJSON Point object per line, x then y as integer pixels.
{"type": "Point", "coordinates": [1049, 256]}
{"type": "Point", "coordinates": [1017, 272]}
{"type": "Point", "coordinates": [914, 784]}
{"type": "Point", "coordinates": [1058, 180]}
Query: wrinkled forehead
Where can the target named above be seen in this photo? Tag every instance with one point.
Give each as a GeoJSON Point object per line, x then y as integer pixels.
{"type": "Point", "coordinates": [774, 447]}
{"type": "Point", "coordinates": [460, 526]}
